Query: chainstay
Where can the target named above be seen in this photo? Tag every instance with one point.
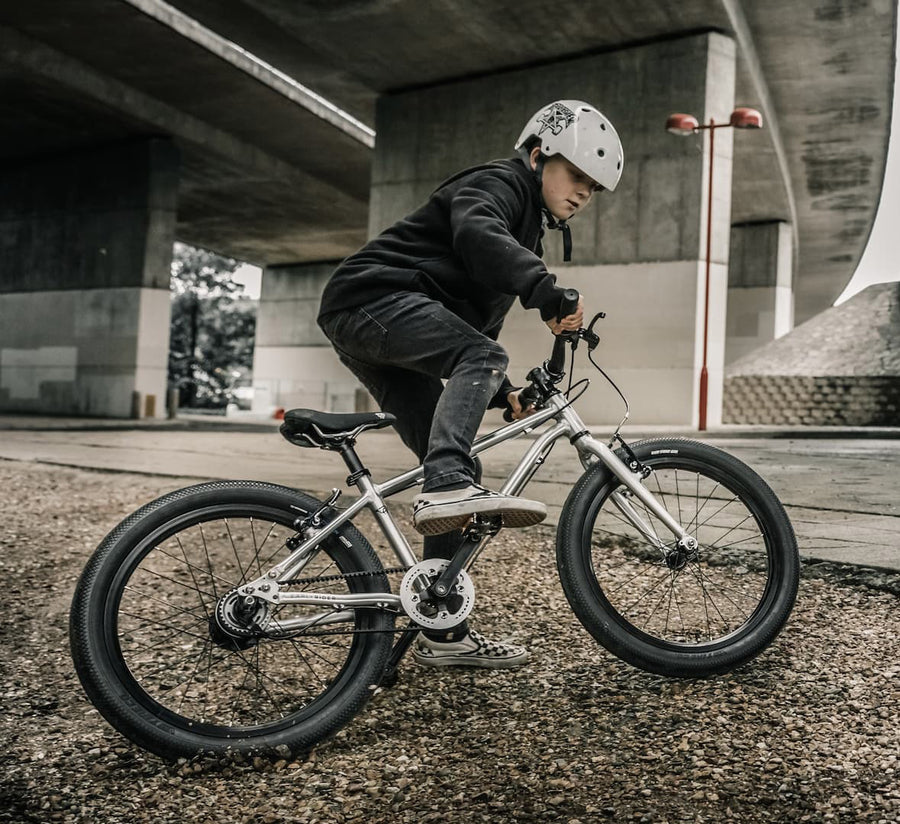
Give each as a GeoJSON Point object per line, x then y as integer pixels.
{"type": "Point", "coordinates": [322, 579]}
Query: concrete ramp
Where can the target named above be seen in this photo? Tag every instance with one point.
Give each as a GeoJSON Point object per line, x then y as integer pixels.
{"type": "Point", "coordinates": [842, 367]}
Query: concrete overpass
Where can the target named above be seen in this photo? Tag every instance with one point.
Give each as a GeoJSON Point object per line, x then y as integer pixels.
{"type": "Point", "coordinates": [197, 119]}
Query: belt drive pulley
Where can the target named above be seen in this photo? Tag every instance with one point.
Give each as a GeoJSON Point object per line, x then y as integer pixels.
{"type": "Point", "coordinates": [426, 609]}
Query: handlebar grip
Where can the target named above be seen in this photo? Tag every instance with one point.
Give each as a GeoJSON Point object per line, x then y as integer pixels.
{"type": "Point", "coordinates": [568, 304]}
{"type": "Point", "coordinates": [528, 396]}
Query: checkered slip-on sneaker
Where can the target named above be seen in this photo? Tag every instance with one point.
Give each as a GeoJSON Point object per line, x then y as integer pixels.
{"type": "Point", "coordinates": [474, 650]}
{"type": "Point", "coordinates": [437, 512]}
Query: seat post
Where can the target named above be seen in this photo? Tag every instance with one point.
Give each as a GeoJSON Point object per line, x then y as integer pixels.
{"type": "Point", "coordinates": [354, 464]}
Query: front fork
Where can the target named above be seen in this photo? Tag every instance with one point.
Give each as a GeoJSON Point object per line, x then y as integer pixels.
{"type": "Point", "coordinates": [590, 450]}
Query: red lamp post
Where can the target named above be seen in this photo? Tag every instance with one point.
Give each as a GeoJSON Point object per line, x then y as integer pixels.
{"type": "Point", "coordinates": [684, 125]}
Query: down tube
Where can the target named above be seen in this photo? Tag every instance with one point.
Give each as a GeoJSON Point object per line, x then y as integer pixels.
{"type": "Point", "coordinates": [532, 460]}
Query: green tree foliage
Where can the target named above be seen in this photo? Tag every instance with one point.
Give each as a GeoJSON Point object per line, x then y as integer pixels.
{"type": "Point", "coordinates": [213, 328]}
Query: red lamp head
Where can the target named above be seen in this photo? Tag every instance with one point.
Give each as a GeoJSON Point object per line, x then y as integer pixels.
{"type": "Point", "coordinates": [744, 118]}
{"type": "Point", "coordinates": [682, 124]}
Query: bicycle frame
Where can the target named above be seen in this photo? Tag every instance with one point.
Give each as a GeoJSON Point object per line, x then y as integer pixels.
{"type": "Point", "coordinates": [372, 497]}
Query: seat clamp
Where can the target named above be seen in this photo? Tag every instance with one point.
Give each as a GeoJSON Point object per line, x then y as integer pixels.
{"type": "Point", "coordinates": [355, 476]}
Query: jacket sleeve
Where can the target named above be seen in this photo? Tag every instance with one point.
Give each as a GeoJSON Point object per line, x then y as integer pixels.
{"type": "Point", "coordinates": [482, 213]}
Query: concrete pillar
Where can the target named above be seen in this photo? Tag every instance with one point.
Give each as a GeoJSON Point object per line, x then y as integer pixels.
{"type": "Point", "coordinates": [293, 362]}
{"type": "Point", "coordinates": [639, 252]}
{"type": "Point", "coordinates": [85, 248]}
{"type": "Point", "coordinates": [760, 291]}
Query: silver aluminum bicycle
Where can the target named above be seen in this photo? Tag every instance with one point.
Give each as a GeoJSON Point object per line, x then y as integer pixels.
{"type": "Point", "coordinates": [245, 616]}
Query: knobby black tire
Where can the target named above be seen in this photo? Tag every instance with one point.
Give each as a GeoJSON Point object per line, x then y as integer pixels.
{"type": "Point", "coordinates": [147, 652]}
{"type": "Point", "coordinates": [681, 617]}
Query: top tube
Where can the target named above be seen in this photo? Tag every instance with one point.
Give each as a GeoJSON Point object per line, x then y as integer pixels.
{"type": "Point", "coordinates": [504, 433]}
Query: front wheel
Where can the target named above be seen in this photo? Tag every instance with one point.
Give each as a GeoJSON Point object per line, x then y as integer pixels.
{"type": "Point", "coordinates": [179, 663]}
{"type": "Point", "coordinates": [671, 609]}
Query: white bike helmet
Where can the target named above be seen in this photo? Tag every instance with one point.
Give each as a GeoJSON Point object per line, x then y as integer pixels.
{"type": "Point", "coordinates": [582, 135]}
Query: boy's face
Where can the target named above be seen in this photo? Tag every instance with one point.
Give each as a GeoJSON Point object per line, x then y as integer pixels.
{"type": "Point", "coordinates": [566, 189]}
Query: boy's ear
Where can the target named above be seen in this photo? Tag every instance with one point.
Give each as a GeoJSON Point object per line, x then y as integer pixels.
{"type": "Point", "coordinates": [533, 157]}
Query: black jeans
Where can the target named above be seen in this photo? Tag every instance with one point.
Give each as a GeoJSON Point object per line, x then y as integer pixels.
{"type": "Point", "coordinates": [401, 347]}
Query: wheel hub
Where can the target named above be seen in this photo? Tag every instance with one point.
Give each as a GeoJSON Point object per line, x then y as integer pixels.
{"type": "Point", "coordinates": [683, 552]}
{"type": "Point", "coordinates": [239, 621]}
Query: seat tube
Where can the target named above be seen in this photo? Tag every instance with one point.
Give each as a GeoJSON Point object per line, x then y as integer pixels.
{"type": "Point", "coordinates": [395, 537]}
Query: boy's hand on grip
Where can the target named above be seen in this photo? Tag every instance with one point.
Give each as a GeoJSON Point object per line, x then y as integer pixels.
{"type": "Point", "coordinates": [570, 323]}
{"type": "Point", "coordinates": [517, 411]}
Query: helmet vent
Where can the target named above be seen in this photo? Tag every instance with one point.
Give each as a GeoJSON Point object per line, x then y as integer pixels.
{"type": "Point", "coordinates": [603, 126]}
{"type": "Point", "coordinates": [601, 153]}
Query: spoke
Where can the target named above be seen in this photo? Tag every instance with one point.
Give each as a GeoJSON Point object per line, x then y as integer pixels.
{"type": "Point", "coordinates": [713, 515]}
{"type": "Point", "coordinates": [178, 583]}
{"type": "Point", "coordinates": [678, 498]}
{"type": "Point", "coordinates": [260, 678]}
{"type": "Point", "coordinates": [669, 609]}
{"type": "Point", "coordinates": [281, 547]}
{"type": "Point", "coordinates": [641, 571]}
{"type": "Point", "coordinates": [191, 566]}
{"type": "Point", "coordinates": [178, 609]}
{"type": "Point", "coordinates": [661, 494]}
{"type": "Point", "coordinates": [659, 601]}
{"type": "Point", "coordinates": [684, 628]}
{"type": "Point", "coordinates": [698, 574]}
{"type": "Point", "coordinates": [634, 535]}
{"type": "Point", "coordinates": [696, 521]}
{"type": "Point", "coordinates": [172, 666]}
{"type": "Point", "coordinates": [208, 561]}
{"type": "Point", "coordinates": [332, 565]}
{"type": "Point", "coordinates": [725, 589]}
{"type": "Point", "coordinates": [752, 537]}
{"type": "Point", "coordinates": [234, 550]}
{"type": "Point", "coordinates": [138, 647]}
{"type": "Point", "coordinates": [650, 523]}
{"type": "Point", "coordinates": [647, 593]}
{"type": "Point", "coordinates": [194, 673]}
{"type": "Point", "coordinates": [151, 622]}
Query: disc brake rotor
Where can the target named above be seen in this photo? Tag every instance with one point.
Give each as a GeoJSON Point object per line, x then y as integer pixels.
{"type": "Point", "coordinates": [434, 613]}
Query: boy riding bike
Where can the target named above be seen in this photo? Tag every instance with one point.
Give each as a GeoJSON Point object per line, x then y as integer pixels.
{"type": "Point", "coordinates": [415, 315]}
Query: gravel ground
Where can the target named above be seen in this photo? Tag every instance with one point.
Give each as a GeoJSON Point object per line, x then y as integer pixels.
{"type": "Point", "coordinates": [807, 732]}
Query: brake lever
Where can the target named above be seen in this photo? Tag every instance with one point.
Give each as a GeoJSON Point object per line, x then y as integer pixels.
{"type": "Point", "coordinates": [592, 339]}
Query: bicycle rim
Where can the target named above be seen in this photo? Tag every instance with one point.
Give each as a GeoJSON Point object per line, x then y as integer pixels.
{"type": "Point", "coordinates": [685, 601]}
{"type": "Point", "coordinates": [161, 626]}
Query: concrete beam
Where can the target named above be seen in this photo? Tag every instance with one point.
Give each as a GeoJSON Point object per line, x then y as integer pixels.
{"type": "Point", "coordinates": [282, 199]}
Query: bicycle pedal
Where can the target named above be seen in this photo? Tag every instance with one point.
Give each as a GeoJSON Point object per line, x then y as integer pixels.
{"type": "Point", "coordinates": [484, 525]}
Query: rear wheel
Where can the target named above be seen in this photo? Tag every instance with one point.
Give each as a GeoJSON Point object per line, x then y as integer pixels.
{"type": "Point", "coordinates": [670, 609]}
{"type": "Point", "coordinates": [178, 662]}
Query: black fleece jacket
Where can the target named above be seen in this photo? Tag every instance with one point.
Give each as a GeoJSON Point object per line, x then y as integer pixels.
{"type": "Point", "coordinates": [474, 246]}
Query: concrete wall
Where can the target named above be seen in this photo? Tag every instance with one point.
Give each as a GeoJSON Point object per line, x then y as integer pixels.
{"type": "Point", "coordinates": [85, 246]}
{"type": "Point", "coordinates": [293, 362]}
{"type": "Point", "coordinates": [760, 290]}
{"type": "Point", "coordinates": [636, 251]}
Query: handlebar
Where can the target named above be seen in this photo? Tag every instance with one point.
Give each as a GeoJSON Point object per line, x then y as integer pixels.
{"type": "Point", "coordinates": [555, 365]}
{"type": "Point", "coordinates": [567, 306]}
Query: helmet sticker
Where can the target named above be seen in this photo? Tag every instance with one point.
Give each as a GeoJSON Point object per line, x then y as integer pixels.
{"type": "Point", "coordinates": [556, 118]}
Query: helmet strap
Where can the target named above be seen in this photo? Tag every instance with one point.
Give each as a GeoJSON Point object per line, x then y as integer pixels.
{"type": "Point", "coordinates": [552, 222]}
{"type": "Point", "coordinates": [562, 226]}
